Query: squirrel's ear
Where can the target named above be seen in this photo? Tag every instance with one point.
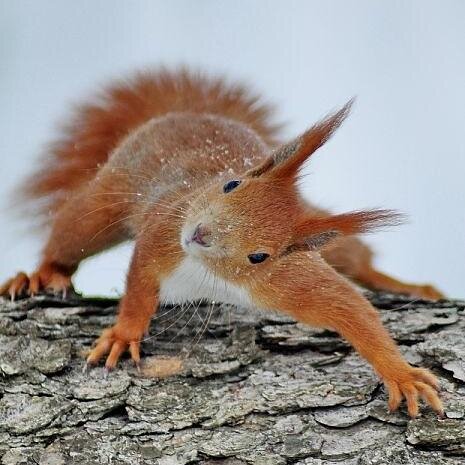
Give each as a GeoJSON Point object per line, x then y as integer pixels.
{"type": "Point", "coordinates": [313, 231]}
{"type": "Point", "coordinates": [288, 158]}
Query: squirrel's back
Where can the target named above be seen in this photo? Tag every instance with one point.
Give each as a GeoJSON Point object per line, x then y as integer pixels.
{"type": "Point", "coordinates": [100, 125]}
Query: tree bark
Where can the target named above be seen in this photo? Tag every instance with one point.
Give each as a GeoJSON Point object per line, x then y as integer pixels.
{"type": "Point", "coordinates": [245, 387]}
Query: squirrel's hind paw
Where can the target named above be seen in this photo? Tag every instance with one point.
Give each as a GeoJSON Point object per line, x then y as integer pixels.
{"type": "Point", "coordinates": [46, 278]}
{"type": "Point", "coordinates": [15, 287]}
{"type": "Point", "coordinates": [429, 292]}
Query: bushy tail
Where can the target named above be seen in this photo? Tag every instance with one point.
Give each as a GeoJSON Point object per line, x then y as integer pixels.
{"type": "Point", "coordinates": [98, 126]}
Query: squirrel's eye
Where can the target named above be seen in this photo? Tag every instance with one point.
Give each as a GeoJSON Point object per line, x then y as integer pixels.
{"type": "Point", "coordinates": [230, 185]}
{"type": "Point", "coordinates": [257, 257]}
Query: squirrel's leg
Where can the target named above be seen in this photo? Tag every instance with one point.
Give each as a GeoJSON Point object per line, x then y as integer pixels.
{"type": "Point", "coordinates": [354, 259]}
{"type": "Point", "coordinates": [305, 287]}
{"type": "Point", "coordinates": [135, 311]}
{"type": "Point", "coordinates": [376, 280]}
{"type": "Point", "coordinates": [88, 223]}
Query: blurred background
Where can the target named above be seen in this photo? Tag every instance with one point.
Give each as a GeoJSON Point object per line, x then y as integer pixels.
{"type": "Point", "coordinates": [402, 147]}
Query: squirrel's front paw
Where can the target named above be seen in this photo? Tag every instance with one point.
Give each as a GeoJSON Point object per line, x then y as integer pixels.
{"type": "Point", "coordinates": [114, 342]}
{"type": "Point", "coordinates": [413, 383]}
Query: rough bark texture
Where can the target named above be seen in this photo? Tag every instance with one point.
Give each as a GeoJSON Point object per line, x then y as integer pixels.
{"type": "Point", "coordinates": [254, 388]}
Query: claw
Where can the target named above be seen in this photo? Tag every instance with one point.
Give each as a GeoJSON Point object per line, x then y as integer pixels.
{"type": "Point", "coordinates": [85, 368]}
{"type": "Point", "coordinates": [137, 365]}
{"type": "Point", "coordinates": [106, 372]}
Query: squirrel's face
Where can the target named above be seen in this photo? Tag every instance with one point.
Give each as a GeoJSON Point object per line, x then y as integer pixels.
{"type": "Point", "coordinates": [241, 226]}
{"type": "Point", "coordinates": [244, 225]}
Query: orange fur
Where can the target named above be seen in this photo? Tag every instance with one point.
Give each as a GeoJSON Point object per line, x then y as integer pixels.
{"type": "Point", "coordinates": [169, 145]}
{"type": "Point", "coordinates": [97, 127]}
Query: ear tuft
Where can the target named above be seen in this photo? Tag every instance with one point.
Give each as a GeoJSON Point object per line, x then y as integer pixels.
{"type": "Point", "coordinates": [314, 232]}
{"type": "Point", "coordinates": [355, 222]}
{"type": "Point", "coordinates": [287, 159]}
{"type": "Point", "coordinates": [314, 242]}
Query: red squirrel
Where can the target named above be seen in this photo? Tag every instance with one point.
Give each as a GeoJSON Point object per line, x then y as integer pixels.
{"type": "Point", "coordinates": [190, 167]}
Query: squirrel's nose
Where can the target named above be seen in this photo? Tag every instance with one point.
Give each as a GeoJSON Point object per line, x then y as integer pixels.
{"type": "Point", "coordinates": [202, 235]}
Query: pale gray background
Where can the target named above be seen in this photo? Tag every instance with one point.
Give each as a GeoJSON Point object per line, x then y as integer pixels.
{"type": "Point", "coordinates": [403, 146]}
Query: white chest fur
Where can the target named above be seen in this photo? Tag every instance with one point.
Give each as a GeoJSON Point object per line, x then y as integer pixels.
{"type": "Point", "coordinates": [193, 281]}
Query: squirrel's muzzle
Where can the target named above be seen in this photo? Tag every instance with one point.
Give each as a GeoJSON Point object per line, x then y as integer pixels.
{"type": "Point", "coordinates": [201, 236]}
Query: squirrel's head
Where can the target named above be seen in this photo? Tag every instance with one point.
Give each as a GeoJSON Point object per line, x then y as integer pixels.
{"type": "Point", "coordinates": [242, 225]}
